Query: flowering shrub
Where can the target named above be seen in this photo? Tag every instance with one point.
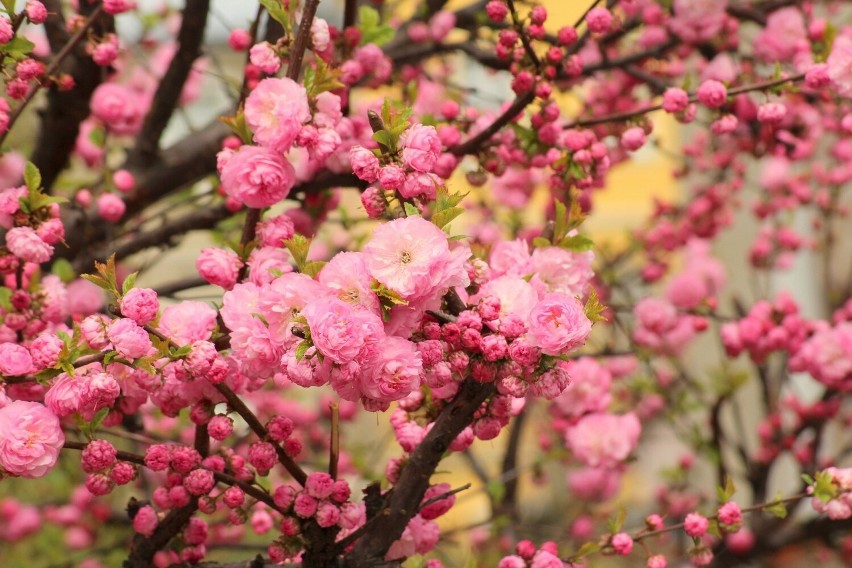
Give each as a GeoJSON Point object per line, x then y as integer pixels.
{"type": "Point", "coordinates": [375, 247]}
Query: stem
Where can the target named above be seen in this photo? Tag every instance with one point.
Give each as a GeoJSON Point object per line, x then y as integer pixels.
{"type": "Point", "coordinates": [334, 449]}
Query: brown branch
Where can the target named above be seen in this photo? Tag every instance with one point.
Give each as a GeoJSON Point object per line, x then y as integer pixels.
{"type": "Point", "coordinates": [169, 90]}
{"type": "Point", "coordinates": [52, 68]}
{"type": "Point", "coordinates": [474, 144]}
{"type": "Point", "coordinates": [65, 110]}
{"type": "Point", "coordinates": [238, 406]}
{"type": "Point", "coordinates": [334, 445]}
{"type": "Point", "coordinates": [627, 115]}
{"type": "Point", "coordinates": [402, 502]}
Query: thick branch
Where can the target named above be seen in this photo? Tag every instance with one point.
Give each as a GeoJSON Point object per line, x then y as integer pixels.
{"type": "Point", "coordinates": [169, 90]}
{"type": "Point", "coordinates": [60, 120]}
{"type": "Point", "coordinates": [404, 499]}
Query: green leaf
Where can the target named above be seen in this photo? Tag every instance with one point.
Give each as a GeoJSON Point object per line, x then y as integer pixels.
{"type": "Point", "coordinates": [302, 348]}
{"type": "Point", "coordinates": [594, 308]}
{"type": "Point", "coordinates": [298, 246]}
{"type": "Point", "coordinates": [6, 298]}
{"type": "Point", "coordinates": [62, 268]}
{"type": "Point", "coordinates": [777, 508]}
{"type": "Point", "coordinates": [587, 549]}
{"type": "Point", "coordinates": [824, 487]}
{"type": "Point", "coordinates": [541, 242]}
{"type": "Point", "coordinates": [277, 12]}
{"type": "Point", "coordinates": [313, 268]}
{"type": "Point", "coordinates": [560, 221]}
{"type": "Point", "coordinates": [18, 47]}
{"type": "Point", "coordinates": [496, 490]}
{"type": "Point", "coordinates": [410, 210]}
{"type": "Point", "coordinates": [617, 522]}
{"type": "Point", "coordinates": [129, 282]}
{"type": "Point", "coordinates": [44, 377]}
{"type": "Point", "coordinates": [577, 243]}
{"type": "Point", "coordinates": [9, 6]}
{"type": "Point", "coordinates": [32, 177]}
{"type": "Point", "coordinates": [96, 280]}
{"type": "Point", "coordinates": [724, 494]}
{"type": "Point", "coordinates": [371, 27]}
{"type": "Point", "coordinates": [238, 126]}
{"type": "Point", "coordinates": [445, 217]}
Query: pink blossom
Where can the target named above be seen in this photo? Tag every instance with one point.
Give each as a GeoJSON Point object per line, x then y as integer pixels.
{"type": "Point", "coordinates": [783, 35]}
{"type": "Point", "coordinates": [695, 21]}
{"type": "Point", "coordinates": [258, 176]}
{"type": "Point", "coordinates": [712, 94]}
{"type": "Point", "coordinates": [188, 322]}
{"type": "Point", "coordinates": [365, 164]}
{"type": "Point", "coordinates": [145, 522]}
{"type": "Point", "coordinates": [622, 543]}
{"type": "Point", "coordinates": [140, 305]}
{"type": "Point", "coordinates": [510, 257]}
{"type": "Point", "coordinates": [594, 484]}
{"type": "Point", "coordinates": [15, 360]}
{"type": "Point", "coordinates": [30, 439]}
{"type": "Point", "coordinates": [412, 257]}
{"type": "Point", "coordinates": [346, 274]}
{"type": "Point", "coordinates": [420, 185]}
{"type": "Point", "coordinates": [339, 331]}
{"type": "Point", "coordinates": [599, 20]}
{"type": "Point", "coordinates": [603, 440]}
{"type": "Point", "coordinates": [118, 6]}
{"type": "Point", "coordinates": [36, 12]}
{"type": "Point", "coordinates": [45, 350]}
{"type": "Point", "coordinates": [675, 100]}
{"type": "Point", "coordinates": [239, 39]}
{"type": "Point", "coordinates": [395, 371]}
{"type": "Point", "coordinates": [319, 485]}
{"type": "Point", "coordinates": [441, 24]}
{"type": "Point", "coordinates": [130, 340]}
{"type": "Point", "coordinates": [275, 111]}
{"type": "Point", "coordinates": [633, 138]}
{"type": "Point", "coordinates": [219, 266]}
{"type": "Point", "coordinates": [558, 324]}
{"type": "Point", "coordinates": [589, 390]}
{"type": "Point", "coordinates": [25, 243]}
{"type": "Point", "coordinates": [263, 56]}
{"type": "Point", "coordinates": [118, 107]}
{"type": "Point", "coordinates": [320, 37]}
{"type": "Point", "coordinates": [420, 147]}
{"type": "Point", "coordinates": [695, 525]}
{"type": "Point", "coordinates": [839, 64]}
{"type": "Point", "coordinates": [730, 514]}
{"type": "Point", "coordinates": [111, 207]}
{"type": "Point", "coordinates": [560, 270]}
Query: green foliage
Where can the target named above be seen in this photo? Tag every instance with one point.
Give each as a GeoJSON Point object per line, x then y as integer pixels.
{"type": "Point", "coordinates": [321, 78]}
{"type": "Point", "coordinates": [299, 245]}
{"type": "Point", "coordinates": [594, 308]}
{"type": "Point", "coordinates": [724, 494]}
{"type": "Point", "coordinates": [278, 12]}
{"type": "Point", "coordinates": [36, 199]}
{"type": "Point", "coordinates": [446, 207]}
{"type": "Point", "coordinates": [371, 27]}
{"type": "Point", "coordinates": [238, 126]}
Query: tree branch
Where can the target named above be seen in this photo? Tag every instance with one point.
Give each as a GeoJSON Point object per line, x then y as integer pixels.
{"type": "Point", "coordinates": [171, 86]}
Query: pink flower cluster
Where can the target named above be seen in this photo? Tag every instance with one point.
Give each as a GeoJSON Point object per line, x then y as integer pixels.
{"type": "Point", "coordinates": [839, 506]}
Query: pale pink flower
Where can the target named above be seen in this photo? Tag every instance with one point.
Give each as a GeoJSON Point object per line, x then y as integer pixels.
{"type": "Point", "coordinates": [275, 112]}
{"type": "Point", "coordinates": [25, 243]}
{"type": "Point", "coordinates": [603, 440]}
{"type": "Point", "coordinates": [15, 360]}
{"type": "Point", "coordinates": [140, 305]}
{"type": "Point", "coordinates": [420, 147]}
{"type": "Point", "coordinates": [516, 296]}
{"type": "Point", "coordinates": [188, 322]}
{"type": "Point", "coordinates": [394, 372]}
{"type": "Point", "coordinates": [560, 270]}
{"type": "Point", "coordinates": [412, 257]}
{"type": "Point", "coordinates": [340, 331]}
{"type": "Point", "coordinates": [558, 324]}
{"type": "Point", "coordinates": [118, 107]}
{"type": "Point", "coordinates": [346, 274]}
{"type": "Point", "coordinates": [783, 35]}
{"type": "Point", "coordinates": [697, 20]}
{"type": "Point", "coordinates": [30, 439]}
{"type": "Point", "coordinates": [219, 266]}
{"type": "Point", "coordinates": [130, 340]}
{"type": "Point", "coordinates": [589, 390]}
{"type": "Point", "coordinates": [111, 207]}
{"type": "Point", "coordinates": [320, 37]}
{"type": "Point", "coordinates": [263, 56]}
{"type": "Point", "coordinates": [258, 176]}
{"type": "Point", "coordinates": [840, 65]}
